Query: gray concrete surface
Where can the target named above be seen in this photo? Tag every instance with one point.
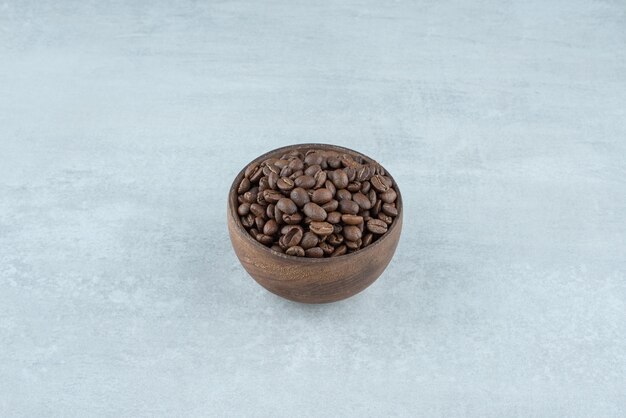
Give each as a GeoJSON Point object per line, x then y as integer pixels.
{"type": "Point", "coordinates": [123, 123]}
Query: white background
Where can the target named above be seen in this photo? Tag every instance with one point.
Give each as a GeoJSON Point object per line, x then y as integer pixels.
{"type": "Point", "coordinates": [122, 125]}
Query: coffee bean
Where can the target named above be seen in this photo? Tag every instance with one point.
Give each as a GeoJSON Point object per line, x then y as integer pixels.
{"type": "Point", "coordinates": [293, 219]}
{"type": "Point", "coordinates": [299, 196]}
{"type": "Point", "coordinates": [351, 232]}
{"type": "Point", "coordinates": [354, 186]}
{"type": "Point", "coordinates": [286, 206]}
{"type": "Point", "coordinates": [293, 237]}
{"type": "Point", "coordinates": [379, 184]}
{"type": "Point", "coordinates": [365, 187]}
{"type": "Point", "coordinates": [244, 186]}
{"type": "Point", "coordinates": [295, 251]}
{"type": "Point", "coordinates": [343, 194]}
{"type": "Point", "coordinates": [321, 228]}
{"type": "Point", "coordinates": [339, 178]}
{"type": "Point", "coordinates": [296, 174]}
{"type": "Point", "coordinates": [250, 195]}
{"type": "Point", "coordinates": [390, 209]}
{"type": "Point", "coordinates": [385, 218]}
{"type": "Point", "coordinates": [315, 252]}
{"type": "Point", "coordinates": [285, 183]}
{"type": "Point", "coordinates": [321, 196]}
{"type": "Point", "coordinates": [264, 239]}
{"type": "Point", "coordinates": [278, 215]}
{"type": "Point", "coordinates": [330, 186]}
{"type": "Point", "coordinates": [257, 209]}
{"type": "Point", "coordinates": [341, 250]}
{"type": "Point", "coordinates": [354, 245]}
{"type": "Point", "coordinates": [372, 197]}
{"type": "Point", "coordinates": [351, 219]}
{"type": "Point", "coordinates": [272, 196]}
{"type": "Point", "coordinates": [270, 227]}
{"type": "Point", "coordinates": [312, 170]}
{"type": "Point", "coordinates": [334, 162]}
{"type": "Point", "coordinates": [389, 196]}
{"type": "Point", "coordinates": [271, 180]}
{"type": "Point", "coordinates": [333, 217]}
{"type": "Point", "coordinates": [330, 206]}
{"type": "Point", "coordinates": [306, 182]}
{"type": "Point", "coordinates": [251, 169]}
{"type": "Point", "coordinates": [277, 248]}
{"type": "Point", "coordinates": [309, 240]}
{"type": "Point", "coordinates": [281, 163]}
{"type": "Point", "coordinates": [259, 222]}
{"type": "Point", "coordinates": [320, 179]}
{"type": "Point", "coordinates": [296, 164]}
{"type": "Point", "coordinates": [351, 173]}
{"type": "Point", "coordinates": [348, 206]}
{"type": "Point", "coordinates": [376, 208]}
{"type": "Point", "coordinates": [247, 220]}
{"type": "Point", "coordinates": [243, 209]}
{"type": "Point", "coordinates": [337, 228]}
{"type": "Point", "coordinates": [335, 239]}
{"type": "Point", "coordinates": [363, 173]}
{"type": "Point", "coordinates": [376, 226]}
{"type": "Point", "coordinates": [362, 200]}
{"type": "Point", "coordinates": [314, 211]}
{"type": "Point", "coordinates": [314, 158]}
{"type": "Point", "coordinates": [367, 239]}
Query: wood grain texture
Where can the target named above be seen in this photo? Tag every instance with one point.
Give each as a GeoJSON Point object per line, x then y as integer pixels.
{"type": "Point", "coordinates": [311, 280]}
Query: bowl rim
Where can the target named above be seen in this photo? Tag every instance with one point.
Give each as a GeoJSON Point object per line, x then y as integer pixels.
{"type": "Point", "coordinates": [232, 208]}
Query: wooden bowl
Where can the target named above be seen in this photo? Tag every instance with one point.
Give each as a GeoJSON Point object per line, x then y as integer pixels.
{"type": "Point", "coordinates": [311, 280]}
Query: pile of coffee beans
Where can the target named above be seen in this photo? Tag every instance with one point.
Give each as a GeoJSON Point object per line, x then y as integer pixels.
{"type": "Point", "coordinates": [316, 203]}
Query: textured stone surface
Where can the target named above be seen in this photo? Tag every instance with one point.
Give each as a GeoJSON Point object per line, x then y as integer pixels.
{"type": "Point", "coordinates": [503, 122]}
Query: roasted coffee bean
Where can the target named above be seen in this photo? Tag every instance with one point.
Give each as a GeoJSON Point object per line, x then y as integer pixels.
{"type": "Point", "coordinates": [339, 178]}
{"type": "Point", "coordinates": [306, 182]}
{"type": "Point", "coordinates": [293, 219]}
{"type": "Point", "coordinates": [287, 206]}
{"type": "Point", "coordinates": [341, 250]}
{"type": "Point", "coordinates": [312, 170]}
{"type": "Point", "coordinates": [379, 184]}
{"type": "Point", "coordinates": [330, 187]}
{"type": "Point", "coordinates": [314, 211]}
{"type": "Point", "coordinates": [354, 245]}
{"type": "Point", "coordinates": [390, 209]}
{"type": "Point", "coordinates": [326, 247]}
{"type": "Point", "coordinates": [351, 219]}
{"type": "Point", "coordinates": [351, 232]}
{"type": "Point", "coordinates": [320, 179]}
{"type": "Point", "coordinates": [363, 173]}
{"type": "Point", "coordinates": [264, 239]}
{"type": "Point", "coordinates": [251, 169]}
{"type": "Point", "coordinates": [335, 239]}
{"type": "Point", "coordinates": [278, 215]}
{"type": "Point", "coordinates": [293, 237]}
{"type": "Point", "coordinates": [343, 194]}
{"type": "Point", "coordinates": [285, 183]}
{"type": "Point", "coordinates": [248, 220]}
{"type": "Point", "coordinates": [257, 209]}
{"type": "Point", "coordinates": [315, 252]}
{"type": "Point", "coordinates": [344, 201]}
{"type": "Point", "coordinates": [244, 186]}
{"type": "Point", "coordinates": [376, 226]}
{"type": "Point", "coordinates": [321, 196]}
{"type": "Point", "coordinates": [309, 240]}
{"type": "Point", "coordinates": [321, 228]}
{"type": "Point", "coordinates": [333, 217]}
{"type": "Point", "coordinates": [389, 196]}
{"type": "Point", "coordinates": [269, 211]}
{"type": "Point", "coordinates": [314, 158]}
{"type": "Point", "coordinates": [354, 186]}
{"type": "Point", "coordinates": [270, 227]}
{"type": "Point", "coordinates": [367, 239]}
{"type": "Point", "coordinates": [348, 206]}
{"type": "Point", "coordinates": [385, 218]}
{"type": "Point", "coordinates": [330, 206]}
{"type": "Point", "coordinates": [299, 196]}
{"type": "Point", "coordinates": [362, 200]}
{"type": "Point", "coordinates": [243, 209]}
{"type": "Point", "coordinates": [272, 196]}
{"type": "Point", "coordinates": [295, 250]}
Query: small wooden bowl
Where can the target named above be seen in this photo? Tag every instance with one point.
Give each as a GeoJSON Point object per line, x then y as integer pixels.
{"type": "Point", "coordinates": [311, 280]}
